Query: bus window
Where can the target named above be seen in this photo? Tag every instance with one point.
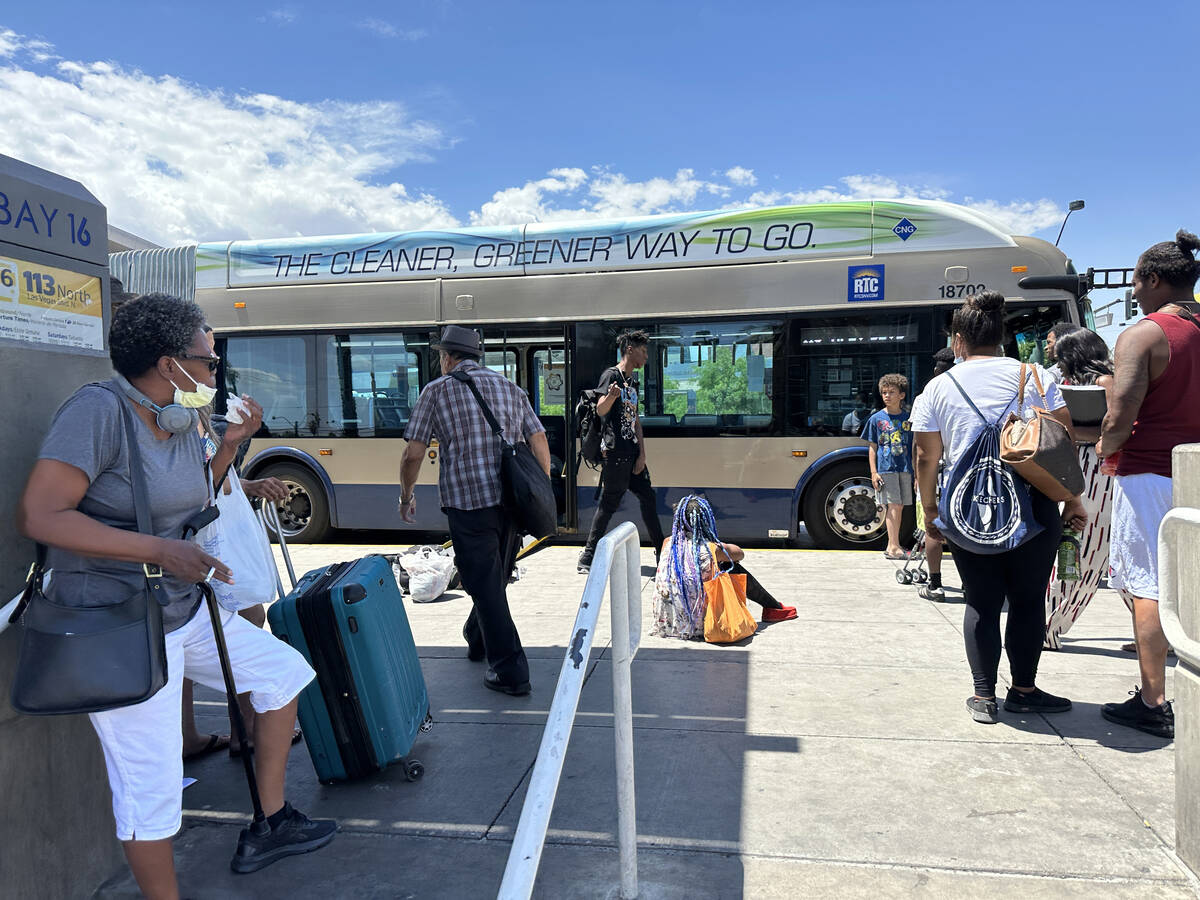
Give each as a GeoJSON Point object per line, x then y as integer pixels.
{"type": "Point", "coordinates": [273, 371]}
{"type": "Point", "coordinates": [550, 382]}
{"type": "Point", "coordinates": [1025, 329]}
{"type": "Point", "coordinates": [370, 384]}
{"type": "Point", "coordinates": [710, 375]}
{"type": "Point", "coordinates": [502, 362]}
{"type": "Point", "coordinates": [844, 356]}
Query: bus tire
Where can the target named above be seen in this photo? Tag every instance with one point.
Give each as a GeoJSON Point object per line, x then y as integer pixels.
{"type": "Point", "coordinates": [839, 509]}
{"type": "Point", "coordinates": [304, 515]}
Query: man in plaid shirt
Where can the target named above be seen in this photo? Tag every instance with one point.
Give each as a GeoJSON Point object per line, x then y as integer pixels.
{"type": "Point", "coordinates": [485, 537]}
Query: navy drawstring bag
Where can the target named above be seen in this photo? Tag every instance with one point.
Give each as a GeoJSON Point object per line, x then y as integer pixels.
{"type": "Point", "coordinates": [985, 507]}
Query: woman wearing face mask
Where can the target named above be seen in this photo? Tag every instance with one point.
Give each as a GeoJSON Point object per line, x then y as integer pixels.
{"type": "Point", "coordinates": [79, 501]}
{"type": "Point", "coordinates": [946, 424]}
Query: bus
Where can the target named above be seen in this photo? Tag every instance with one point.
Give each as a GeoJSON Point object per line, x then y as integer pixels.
{"type": "Point", "coordinates": [768, 329]}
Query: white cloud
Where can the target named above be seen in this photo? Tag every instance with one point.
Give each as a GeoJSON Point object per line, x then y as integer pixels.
{"type": "Point", "coordinates": [282, 16]}
{"type": "Point", "coordinates": [175, 162]}
{"type": "Point", "coordinates": [741, 177]}
{"type": "Point", "coordinates": [10, 42]}
{"type": "Point", "coordinates": [388, 30]}
{"type": "Point", "coordinates": [1020, 216]}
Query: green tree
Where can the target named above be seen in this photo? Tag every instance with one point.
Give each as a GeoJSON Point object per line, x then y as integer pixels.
{"type": "Point", "coordinates": [724, 387]}
{"type": "Point", "coordinates": [674, 398]}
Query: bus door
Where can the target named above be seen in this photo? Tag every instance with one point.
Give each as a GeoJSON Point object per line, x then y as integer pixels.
{"type": "Point", "coordinates": [536, 359]}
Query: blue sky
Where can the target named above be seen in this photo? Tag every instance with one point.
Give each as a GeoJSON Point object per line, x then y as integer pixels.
{"type": "Point", "coordinates": [228, 120]}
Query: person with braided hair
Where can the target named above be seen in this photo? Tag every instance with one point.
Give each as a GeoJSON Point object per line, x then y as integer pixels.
{"type": "Point", "coordinates": [690, 557]}
{"type": "Point", "coordinates": [1155, 364]}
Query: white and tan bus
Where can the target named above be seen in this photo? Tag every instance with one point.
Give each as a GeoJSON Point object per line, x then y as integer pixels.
{"type": "Point", "coordinates": [766, 326]}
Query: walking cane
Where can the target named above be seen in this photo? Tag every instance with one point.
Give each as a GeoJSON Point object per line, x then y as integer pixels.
{"type": "Point", "coordinates": [259, 824]}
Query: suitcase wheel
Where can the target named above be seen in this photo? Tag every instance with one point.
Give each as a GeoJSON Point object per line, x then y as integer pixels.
{"type": "Point", "coordinates": [427, 725]}
{"type": "Point", "coordinates": [413, 770]}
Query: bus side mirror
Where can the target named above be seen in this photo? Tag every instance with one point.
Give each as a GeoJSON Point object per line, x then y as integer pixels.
{"type": "Point", "coordinates": [1073, 284]}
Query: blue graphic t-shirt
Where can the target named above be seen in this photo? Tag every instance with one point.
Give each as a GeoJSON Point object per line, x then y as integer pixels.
{"type": "Point", "coordinates": [893, 436]}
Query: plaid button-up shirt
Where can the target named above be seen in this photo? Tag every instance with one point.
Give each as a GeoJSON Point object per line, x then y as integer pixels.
{"type": "Point", "coordinates": [469, 464]}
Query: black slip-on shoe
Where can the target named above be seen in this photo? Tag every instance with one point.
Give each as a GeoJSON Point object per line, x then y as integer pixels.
{"type": "Point", "coordinates": [1133, 713]}
{"type": "Point", "coordinates": [584, 565]}
{"type": "Point", "coordinates": [493, 682]}
{"type": "Point", "coordinates": [1036, 701]}
{"type": "Point", "coordinates": [296, 834]}
{"type": "Point", "coordinates": [984, 710]}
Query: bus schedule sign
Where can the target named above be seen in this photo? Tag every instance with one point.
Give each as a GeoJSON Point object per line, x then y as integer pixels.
{"type": "Point", "coordinates": [48, 305]}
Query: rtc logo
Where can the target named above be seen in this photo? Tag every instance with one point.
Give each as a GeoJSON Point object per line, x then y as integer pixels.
{"type": "Point", "coordinates": [864, 283]}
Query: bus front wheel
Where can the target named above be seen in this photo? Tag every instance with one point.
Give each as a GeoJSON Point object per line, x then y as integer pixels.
{"type": "Point", "coordinates": [304, 515]}
{"type": "Point", "coordinates": [840, 512]}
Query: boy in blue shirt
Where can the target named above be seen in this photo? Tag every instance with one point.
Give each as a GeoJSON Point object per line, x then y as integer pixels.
{"type": "Point", "coordinates": [890, 434]}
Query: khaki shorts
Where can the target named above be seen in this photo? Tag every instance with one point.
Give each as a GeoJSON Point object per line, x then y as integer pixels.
{"type": "Point", "coordinates": [897, 488]}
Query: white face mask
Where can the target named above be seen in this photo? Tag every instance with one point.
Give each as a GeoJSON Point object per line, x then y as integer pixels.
{"type": "Point", "coordinates": [197, 399]}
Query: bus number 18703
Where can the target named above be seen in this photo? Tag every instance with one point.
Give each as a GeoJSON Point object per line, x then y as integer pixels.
{"type": "Point", "coordinates": [958, 291]}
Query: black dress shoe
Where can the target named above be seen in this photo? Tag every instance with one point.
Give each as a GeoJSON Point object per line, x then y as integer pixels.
{"type": "Point", "coordinates": [475, 652]}
{"type": "Point", "coordinates": [492, 681]}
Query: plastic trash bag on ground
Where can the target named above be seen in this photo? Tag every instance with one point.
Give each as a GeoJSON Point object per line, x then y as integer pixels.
{"type": "Point", "coordinates": [428, 570]}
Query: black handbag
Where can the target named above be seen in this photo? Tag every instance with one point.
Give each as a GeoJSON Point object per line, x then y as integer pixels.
{"type": "Point", "coordinates": [526, 488]}
{"type": "Point", "coordinates": [89, 659]}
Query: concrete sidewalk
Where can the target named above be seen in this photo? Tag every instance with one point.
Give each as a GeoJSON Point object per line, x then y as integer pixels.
{"type": "Point", "coordinates": [830, 756]}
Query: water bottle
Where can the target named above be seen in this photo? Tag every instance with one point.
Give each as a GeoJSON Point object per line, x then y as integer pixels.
{"type": "Point", "coordinates": [1068, 556]}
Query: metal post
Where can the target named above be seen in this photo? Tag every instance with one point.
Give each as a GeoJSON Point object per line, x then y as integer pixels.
{"type": "Point", "coordinates": [624, 585]}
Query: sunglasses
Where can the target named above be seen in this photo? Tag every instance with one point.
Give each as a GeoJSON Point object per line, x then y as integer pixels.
{"type": "Point", "coordinates": [212, 361]}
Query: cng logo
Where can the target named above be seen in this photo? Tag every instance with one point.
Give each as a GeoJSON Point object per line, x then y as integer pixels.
{"type": "Point", "coordinates": [864, 283]}
{"type": "Point", "coordinates": [904, 229]}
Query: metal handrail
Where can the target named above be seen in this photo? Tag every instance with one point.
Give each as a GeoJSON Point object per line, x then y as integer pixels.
{"type": "Point", "coordinates": [617, 562]}
{"type": "Point", "coordinates": [1175, 524]}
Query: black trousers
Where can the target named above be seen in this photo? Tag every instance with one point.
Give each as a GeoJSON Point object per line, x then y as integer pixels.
{"type": "Point", "coordinates": [617, 478]}
{"type": "Point", "coordinates": [485, 549]}
{"type": "Point", "coordinates": [1020, 576]}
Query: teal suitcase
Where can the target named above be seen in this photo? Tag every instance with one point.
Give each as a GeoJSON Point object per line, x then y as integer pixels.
{"type": "Point", "coordinates": [368, 703]}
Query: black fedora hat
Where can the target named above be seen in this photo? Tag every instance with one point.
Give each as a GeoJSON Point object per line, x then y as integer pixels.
{"type": "Point", "coordinates": [458, 339]}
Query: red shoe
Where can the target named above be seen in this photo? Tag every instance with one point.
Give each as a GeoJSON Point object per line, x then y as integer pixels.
{"type": "Point", "coordinates": [779, 615]}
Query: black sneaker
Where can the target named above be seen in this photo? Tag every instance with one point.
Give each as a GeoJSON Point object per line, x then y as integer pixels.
{"type": "Point", "coordinates": [296, 834]}
{"type": "Point", "coordinates": [1133, 713]}
{"type": "Point", "coordinates": [584, 565]}
{"type": "Point", "coordinates": [984, 710]}
{"type": "Point", "coordinates": [933, 594]}
{"type": "Point", "coordinates": [1036, 701]}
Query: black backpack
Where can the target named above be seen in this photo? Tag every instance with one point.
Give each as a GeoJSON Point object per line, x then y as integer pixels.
{"type": "Point", "coordinates": [591, 428]}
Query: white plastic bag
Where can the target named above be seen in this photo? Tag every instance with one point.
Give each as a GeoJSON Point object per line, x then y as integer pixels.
{"type": "Point", "coordinates": [430, 570]}
{"type": "Point", "coordinates": [238, 540]}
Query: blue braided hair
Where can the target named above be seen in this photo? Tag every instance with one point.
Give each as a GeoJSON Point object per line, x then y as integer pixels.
{"type": "Point", "coordinates": [692, 529]}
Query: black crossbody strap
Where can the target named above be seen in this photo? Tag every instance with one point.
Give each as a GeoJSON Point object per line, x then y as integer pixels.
{"type": "Point", "coordinates": [141, 500]}
{"type": "Point", "coordinates": [487, 410]}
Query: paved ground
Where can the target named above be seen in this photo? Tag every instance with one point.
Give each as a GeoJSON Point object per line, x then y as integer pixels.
{"type": "Point", "coordinates": [830, 756]}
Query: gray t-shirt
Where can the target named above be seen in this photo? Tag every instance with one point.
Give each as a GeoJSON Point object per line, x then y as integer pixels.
{"type": "Point", "coordinates": [88, 433]}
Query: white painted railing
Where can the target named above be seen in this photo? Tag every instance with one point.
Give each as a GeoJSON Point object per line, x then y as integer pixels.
{"type": "Point", "coordinates": [617, 561]}
{"type": "Point", "coordinates": [1176, 526]}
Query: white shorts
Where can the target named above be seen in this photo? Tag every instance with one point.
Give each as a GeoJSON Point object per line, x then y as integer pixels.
{"type": "Point", "coordinates": [1140, 503]}
{"type": "Point", "coordinates": [143, 744]}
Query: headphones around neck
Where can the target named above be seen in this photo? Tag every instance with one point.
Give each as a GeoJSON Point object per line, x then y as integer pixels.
{"type": "Point", "coordinates": [171, 418]}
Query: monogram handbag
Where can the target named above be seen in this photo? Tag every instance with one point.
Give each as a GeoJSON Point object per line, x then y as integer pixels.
{"type": "Point", "coordinates": [1041, 450]}
{"type": "Point", "coordinates": [89, 659]}
{"type": "Point", "coordinates": [528, 494]}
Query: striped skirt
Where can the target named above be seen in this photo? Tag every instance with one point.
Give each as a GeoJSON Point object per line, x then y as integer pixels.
{"type": "Point", "coordinates": [1066, 600]}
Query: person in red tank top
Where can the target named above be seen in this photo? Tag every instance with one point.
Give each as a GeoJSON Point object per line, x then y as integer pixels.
{"type": "Point", "coordinates": [1156, 368]}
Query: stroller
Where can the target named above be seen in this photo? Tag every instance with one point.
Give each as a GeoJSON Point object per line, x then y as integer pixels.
{"type": "Point", "coordinates": [914, 570]}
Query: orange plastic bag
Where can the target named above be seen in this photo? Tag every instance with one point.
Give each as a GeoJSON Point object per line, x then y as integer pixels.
{"type": "Point", "coordinates": [727, 620]}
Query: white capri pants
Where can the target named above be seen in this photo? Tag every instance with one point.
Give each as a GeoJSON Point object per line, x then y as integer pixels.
{"type": "Point", "coordinates": [143, 744]}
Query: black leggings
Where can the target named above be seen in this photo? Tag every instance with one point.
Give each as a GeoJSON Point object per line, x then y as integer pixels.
{"type": "Point", "coordinates": [755, 592]}
{"type": "Point", "coordinates": [1021, 576]}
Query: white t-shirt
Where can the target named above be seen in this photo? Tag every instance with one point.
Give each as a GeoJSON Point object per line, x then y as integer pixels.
{"type": "Point", "coordinates": [992, 386]}
{"type": "Point", "coordinates": [852, 424]}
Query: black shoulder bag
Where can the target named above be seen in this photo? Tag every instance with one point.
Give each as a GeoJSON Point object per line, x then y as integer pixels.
{"type": "Point", "coordinates": [526, 487]}
{"type": "Point", "coordinates": [82, 660]}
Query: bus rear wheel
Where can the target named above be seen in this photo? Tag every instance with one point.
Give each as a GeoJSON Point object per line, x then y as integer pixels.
{"type": "Point", "coordinates": [304, 515]}
{"type": "Point", "coordinates": [840, 512]}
